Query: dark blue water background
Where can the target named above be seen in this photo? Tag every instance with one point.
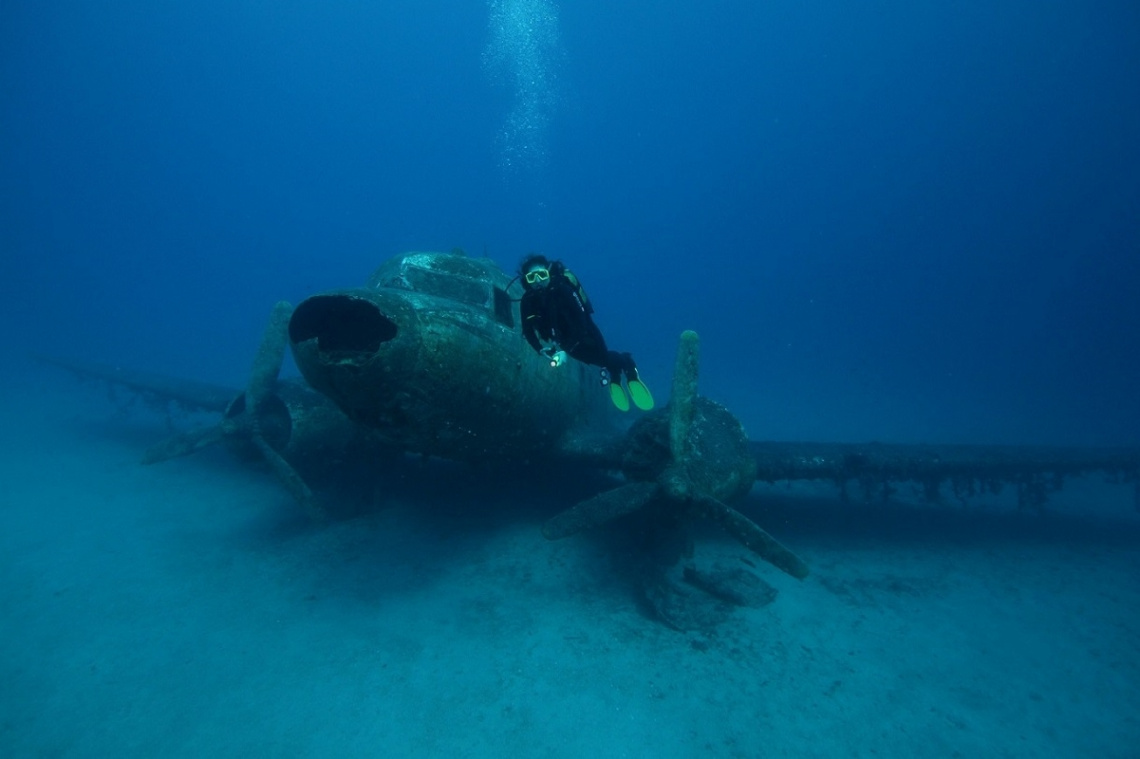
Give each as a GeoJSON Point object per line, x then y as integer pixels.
{"type": "Point", "coordinates": [888, 220]}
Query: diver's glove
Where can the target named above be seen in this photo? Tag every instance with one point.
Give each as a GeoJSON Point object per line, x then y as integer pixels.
{"type": "Point", "coordinates": [557, 358]}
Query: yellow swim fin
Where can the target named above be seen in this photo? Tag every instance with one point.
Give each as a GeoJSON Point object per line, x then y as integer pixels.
{"type": "Point", "coordinates": [617, 395]}
{"type": "Point", "coordinates": [640, 394]}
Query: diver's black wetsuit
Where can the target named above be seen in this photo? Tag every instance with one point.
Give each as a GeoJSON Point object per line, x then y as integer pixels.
{"type": "Point", "coordinates": [560, 313]}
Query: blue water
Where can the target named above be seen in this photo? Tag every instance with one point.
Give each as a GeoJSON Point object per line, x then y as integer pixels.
{"type": "Point", "coordinates": [888, 221]}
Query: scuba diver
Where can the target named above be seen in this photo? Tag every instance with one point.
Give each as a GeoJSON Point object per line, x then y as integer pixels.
{"type": "Point", "coordinates": [555, 310]}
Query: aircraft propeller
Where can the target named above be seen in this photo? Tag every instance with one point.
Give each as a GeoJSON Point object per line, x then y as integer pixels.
{"type": "Point", "coordinates": [689, 459]}
{"type": "Point", "coordinates": [256, 416]}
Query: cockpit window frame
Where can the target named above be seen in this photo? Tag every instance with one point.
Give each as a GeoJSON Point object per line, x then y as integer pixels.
{"type": "Point", "coordinates": [504, 307]}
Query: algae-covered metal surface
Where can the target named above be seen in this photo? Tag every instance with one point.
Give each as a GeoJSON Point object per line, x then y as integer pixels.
{"type": "Point", "coordinates": [430, 355]}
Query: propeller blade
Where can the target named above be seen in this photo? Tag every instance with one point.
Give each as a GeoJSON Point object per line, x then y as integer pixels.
{"type": "Point", "coordinates": [185, 443]}
{"type": "Point", "coordinates": [602, 508]}
{"type": "Point", "coordinates": [681, 409]}
{"type": "Point", "coordinates": [267, 363]}
{"type": "Point", "coordinates": [262, 381]}
{"type": "Point", "coordinates": [751, 536]}
{"type": "Point", "coordinates": [289, 478]}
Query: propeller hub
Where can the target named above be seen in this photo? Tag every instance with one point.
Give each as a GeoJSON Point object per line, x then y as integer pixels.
{"type": "Point", "coordinates": [717, 463]}
{"type": "Point", "coordinates": [274, 421]}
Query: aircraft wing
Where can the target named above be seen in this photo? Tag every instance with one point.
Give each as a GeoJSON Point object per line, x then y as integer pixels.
{"type": "Point", "coordinates": [968, 469]}
{"type": "Point", "coordinates": [200, 396]}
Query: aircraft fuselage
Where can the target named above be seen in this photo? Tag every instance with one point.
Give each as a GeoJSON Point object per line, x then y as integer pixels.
{"type": "Point", "coordinates": [430, 355]}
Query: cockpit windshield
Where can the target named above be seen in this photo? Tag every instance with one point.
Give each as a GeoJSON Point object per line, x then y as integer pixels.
{"type": "Point", "coordinates": [454, 276]}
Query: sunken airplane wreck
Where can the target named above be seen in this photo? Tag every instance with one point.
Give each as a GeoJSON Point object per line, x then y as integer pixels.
{"type": "Point", "coordinates": [428, 357]}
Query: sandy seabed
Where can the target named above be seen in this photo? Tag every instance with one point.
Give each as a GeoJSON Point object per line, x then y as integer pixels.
{"type": "Point", "coordinates": [188, 609]}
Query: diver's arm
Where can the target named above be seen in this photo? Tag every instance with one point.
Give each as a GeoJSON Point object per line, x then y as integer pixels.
{"type": "Point", "coordinates": [528, 316]}
{"type": "Point", "coordinates": [528, 333]}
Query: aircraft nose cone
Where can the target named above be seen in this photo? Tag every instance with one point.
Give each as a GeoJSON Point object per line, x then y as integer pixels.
{"type": "Point", "coordinates": [356, 347]}
{"type": "Point", "coordinates": [341, 323]}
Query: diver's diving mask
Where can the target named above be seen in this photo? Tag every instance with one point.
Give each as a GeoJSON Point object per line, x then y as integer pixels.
{"type": "Point", "coordinates": [536, 275]}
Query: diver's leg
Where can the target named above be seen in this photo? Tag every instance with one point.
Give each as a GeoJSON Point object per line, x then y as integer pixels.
{"type": "Point", "coordinates": [591, 349]}
{"type": "Point", "coordinates": [619, 364]}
